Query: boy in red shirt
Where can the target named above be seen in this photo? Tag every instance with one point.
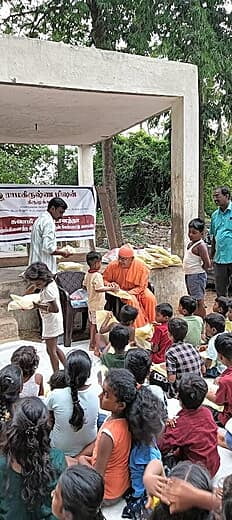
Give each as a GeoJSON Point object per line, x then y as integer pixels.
{"type": "Point", "coordinates": [161, 340]}
{"type": "Point", "coordinates": [223, 393]}
{"type": "Point", "coordinates": [194, 434]}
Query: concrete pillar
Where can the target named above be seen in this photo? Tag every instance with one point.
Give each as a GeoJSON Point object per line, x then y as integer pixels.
{"type": "Point", "coordinates": [184, 168]}
{"type": "Point", "coordinates": [85, 176]}
{"type": "Point", "coordinates": [85, 165]}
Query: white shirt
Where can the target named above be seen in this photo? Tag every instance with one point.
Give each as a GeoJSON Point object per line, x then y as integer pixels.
{"type": "Point", "coordinates": [63, 436]}
{"type": "Point", "coordinates": [52, 322]}
{"type": "Point", "coordinates": [43, 241]}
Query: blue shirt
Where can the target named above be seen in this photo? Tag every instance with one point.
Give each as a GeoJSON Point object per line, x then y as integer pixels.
{"type": "Point", "coordinates": [221, 229]}
{"type": "Point", "coordinates": [140, 456]}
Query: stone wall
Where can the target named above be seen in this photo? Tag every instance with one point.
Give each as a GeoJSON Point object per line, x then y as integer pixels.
{"type": "Point", "coordinates": [140, 234]}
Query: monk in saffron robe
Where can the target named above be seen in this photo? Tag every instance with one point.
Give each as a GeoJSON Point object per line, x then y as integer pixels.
{"type": "Point", "coordinates": [132, 275]}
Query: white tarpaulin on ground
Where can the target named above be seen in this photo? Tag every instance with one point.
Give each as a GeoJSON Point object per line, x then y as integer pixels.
{"type": "Point", "coordinates": [21, 204]}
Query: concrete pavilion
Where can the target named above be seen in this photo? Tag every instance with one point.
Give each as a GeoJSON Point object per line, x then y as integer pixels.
{"type": "Point", "coordinates": [51, 93]}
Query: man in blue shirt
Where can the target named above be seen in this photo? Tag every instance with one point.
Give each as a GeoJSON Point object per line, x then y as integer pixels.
{"type": "Point", "coordinates": [221, 231]}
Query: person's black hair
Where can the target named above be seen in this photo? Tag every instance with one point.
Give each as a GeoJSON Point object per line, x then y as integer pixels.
{"type": "Point", "coordinates": [82, 491]}
{"type": "Point", "coordinates": [57, 380]}
{"type": "Point", "coordinates": [223, 345]}
{"type": "Point", "coordinates": [11, 383]}
{"type": "Point", "coordinates": [178, 328]}
{"type": "Point", "coordinates": [27, 442]}
{"type": "Point", "coordinates": [224, 190]}
{"type": "Point", "coordinates": [128, 314]}
{"type": "Point", "coordinates": [38, 271]}
{"type": "Point", "coordinates": [27, 359]}
{"type": "Point", "coordinates": [77, 371]}
{"type": "Point", "coordinates": [215, 321]}
{"type": "Point", "coordinates": [227, 498]}
{"type": "Point", "coordinates": [192, 391]}
{"type": "Point", "coordinates": [138, 361]}
{"type": "Point", "coordinates": [229, 304]}
{"type": "Point", "coordinates": [196, 475]}
{"type": "Point", "coordinates": [165, 309]}
{"type": "Point", "coordinates": [197, 223]}
{"type": "Point", "coordinates": [188, 303]}
{"type": "Point", "coordinates": [92, 257]}
{"type": "Point", "coordinates": [57, 202]}
{"type": "Point", "coordinates": [223, 302]}
{"type": "Point", "coordinates": [144, 412]}
{"type": "Point", "coordinates": [119, 337]}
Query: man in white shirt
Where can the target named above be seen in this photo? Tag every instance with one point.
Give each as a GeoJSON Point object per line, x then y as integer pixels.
{"type": "Point", "coordinates": [43, 246]}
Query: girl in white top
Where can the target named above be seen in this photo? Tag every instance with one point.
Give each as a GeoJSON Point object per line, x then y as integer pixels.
{"type": "Point", "coordinates": [26, 358]}
{"type": "Point", "coordinates": [39, 277]}
{"type": "Point", "coordinates": [74, 408]}
{"type": "Point", "coordinates": [195, 263]}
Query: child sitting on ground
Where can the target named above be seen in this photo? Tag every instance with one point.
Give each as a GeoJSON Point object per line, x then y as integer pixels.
{"type": "Point", "coordinates": [57, 380]}
{"type": "Point", "coordinates": [127, 317]}
{"type": "Point", "coordinates": [187, 306]}
{"type": "Point", "coordinates": [214, 326]}
{"type": "Point", "coordinates": [221, 305]}
{"type": "Point", "coordinates": [138, 361]}
{"type": "Point", "coordinates": [195, 264]}
{"type": "Point", "coordinates": [119, 339]}
{"type": "Point", "coordinates": [222, 395]}
{"type": "Point", "coordinates": [194, 434]}
{"type": "Point", "coordinates": [27, 359]}
{"type": "Point", "coordinates": [181, 357]}
{"type": "Point", "coordinates": [11, 383]}
{"type": "Point", "coordinates": [161, 340]}
{"type": "Point", "coordinates": [228, 325]}
{"type": "Point", "coordinates": [94, 283]}
{"type": "Point", "coordinates": [135, 413]}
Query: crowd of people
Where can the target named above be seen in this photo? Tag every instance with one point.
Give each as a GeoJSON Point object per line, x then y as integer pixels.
{"type": "Point", "coordinates": [67, 452]}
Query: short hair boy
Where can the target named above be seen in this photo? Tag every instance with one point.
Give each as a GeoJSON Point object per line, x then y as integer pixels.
{"type": "Point", "coordinates": [222, 395]}
{"type": "Point", "coordinates": [221, 305]}
{"type": "Point", "coordinates": [196, 262]}
{"type": "Point", "coordinates": [187, 306]}
{"type": "Point", "coordinates": [119, 339]}
{"type": "Point", "coordinates": [195, 431]}
{"type": "Point", "coordinates": [160, 340]}
{"type": "Point", "coordinates": [214, 326]}
{"type": "Point", "coordinates": [138, 361]}
{"type": "Point", "coordinates": [181, 357]}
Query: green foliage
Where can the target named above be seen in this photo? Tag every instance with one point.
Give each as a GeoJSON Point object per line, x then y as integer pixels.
{"type": "Point", "coordinates": [22, 164]}
{"type": "Point", "coordinates": [67, 166]}
{"type": "Point", "coordinates": [218, 172]}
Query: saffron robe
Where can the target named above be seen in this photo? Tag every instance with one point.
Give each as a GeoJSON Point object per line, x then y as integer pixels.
{"type": "Point", "coordinates": [134, 280]}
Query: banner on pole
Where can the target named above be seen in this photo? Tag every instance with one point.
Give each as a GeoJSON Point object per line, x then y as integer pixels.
{"type": "Point", "coordinates": [20, 205]}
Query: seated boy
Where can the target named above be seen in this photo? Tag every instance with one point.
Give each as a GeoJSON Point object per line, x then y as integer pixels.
{"type": "Point", "coordinates": [223, 392]}
{"type": "Point", "coordinates": [127, 317]}
{"type": "Point", "coordinates": [187, 306]}
{"type": "Point", "coordinates": [221, 305]}
{"type": "Point", "coordinates": [138, 361]}
{"type": "Point", "coordinates": [214, 326]}
{"type": "Point", "coordinates": [161, 340]}
{"type": "Point", "coordinates": [119, 339]}
{"type": "Point", "coordinates": [181, 357]}
{"type": "Point", "coordinates": [194, 434]}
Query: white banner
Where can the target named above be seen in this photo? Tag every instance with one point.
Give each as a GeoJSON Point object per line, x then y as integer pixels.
{"type": "Point", "coordinates": [21, 204]}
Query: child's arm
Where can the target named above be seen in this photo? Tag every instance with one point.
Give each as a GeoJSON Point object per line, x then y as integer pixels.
{"type": "Point", "coordinates": [170, 367]}
{"type": "Point", "coordinates": [105, 326]}
{"type": "Point", "coordinates": [154, 478]}
{"type": "Point", "coordinates": [39, 381]}
{"type": "Point", "coordinates": [48, 307]}
{"type": "Point", "coordinates": [155, 340]}
{"type": "Point", "coordinates": [181, 496]}
{"type": "Point", "coordinates": [105, 448]}
{"type": "Point", "coordinates": [202, 251]}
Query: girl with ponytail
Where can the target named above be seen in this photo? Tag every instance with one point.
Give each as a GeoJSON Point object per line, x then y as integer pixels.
{"type": "Point", "coordinates": [74, 408]}
{"type": "Point", "coordinates": [78, 494]}
{"type": "Point", "coordinates": [11, 383]}
{"type": "Point", "coordinates": [29, 469]}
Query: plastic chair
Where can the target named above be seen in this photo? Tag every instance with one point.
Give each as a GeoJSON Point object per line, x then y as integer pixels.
{"type": "Point", "coordinates": [68, 282]}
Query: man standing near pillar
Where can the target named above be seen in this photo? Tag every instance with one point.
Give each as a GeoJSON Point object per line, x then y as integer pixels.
{"type": "Point", "coordinates": [221, 232]}
{"type": "Point", "coordinates": [43, 246]}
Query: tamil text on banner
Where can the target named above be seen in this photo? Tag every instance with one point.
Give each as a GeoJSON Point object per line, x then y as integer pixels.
{"type": "Point", "coordinates": [21, 204]}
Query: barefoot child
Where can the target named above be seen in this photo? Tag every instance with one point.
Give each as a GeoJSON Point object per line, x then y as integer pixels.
{"type": "Point", "coordinates": [96, 289]}
{"type": "Point", "coordinates": [196, 262]}
{"type": "Point", "coordinates": [27, 359]}
{"type": "Point", "coordinates": [39, 277]}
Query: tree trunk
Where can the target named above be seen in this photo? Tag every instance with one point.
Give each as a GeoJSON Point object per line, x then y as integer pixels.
{"type": "Point", "coordinates": [109, 181]}
{"type": "Point", "coordinates": [201, 162]}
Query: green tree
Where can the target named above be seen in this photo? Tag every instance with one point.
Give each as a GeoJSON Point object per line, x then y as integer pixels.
{"type": "Point", "coordinates": [22, 164]}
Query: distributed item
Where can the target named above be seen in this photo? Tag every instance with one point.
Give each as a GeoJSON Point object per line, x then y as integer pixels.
{"type": "Point", "coordinates": [23, 302]}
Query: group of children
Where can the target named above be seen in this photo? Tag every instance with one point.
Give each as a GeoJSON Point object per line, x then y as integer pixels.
{"type": "Point", "coordinates": [133, 451]}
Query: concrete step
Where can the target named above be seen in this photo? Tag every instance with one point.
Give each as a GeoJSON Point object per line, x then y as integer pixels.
{"type": "Point", "coordinates": [3, 307]}
{"type": "Point", "coordinates": [8, 328]}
